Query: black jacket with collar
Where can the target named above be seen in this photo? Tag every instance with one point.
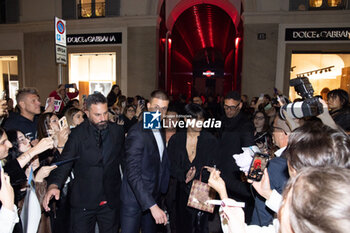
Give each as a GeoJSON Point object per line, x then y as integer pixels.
{"type": "Point", "coordinates": [96, 177]}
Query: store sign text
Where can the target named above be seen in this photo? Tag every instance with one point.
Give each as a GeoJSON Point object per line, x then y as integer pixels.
{"type": "Point", "coordinates": [302, 34]}
{"type": "Point", "coordinates": [98, 38]}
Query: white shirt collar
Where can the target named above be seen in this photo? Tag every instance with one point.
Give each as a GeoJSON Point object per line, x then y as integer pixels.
{"type": "Point", "coordinates": [279, 152]}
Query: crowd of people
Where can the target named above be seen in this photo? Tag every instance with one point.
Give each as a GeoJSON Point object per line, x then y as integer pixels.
{"type": "Point", "coordinates": [93, 167]}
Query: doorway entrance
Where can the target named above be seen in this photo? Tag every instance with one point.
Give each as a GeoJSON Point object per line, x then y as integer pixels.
{"type": "Point", "coordinates": [92, 72]}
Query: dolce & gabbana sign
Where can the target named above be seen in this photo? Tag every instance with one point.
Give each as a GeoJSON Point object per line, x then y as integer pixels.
{"type": "Point", "coordinates": [96, 38]}
{"type": "Point", "coordinates": [307, 34]}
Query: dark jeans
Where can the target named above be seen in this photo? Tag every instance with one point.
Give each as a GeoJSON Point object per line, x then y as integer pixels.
{"type": "Point", "coordinates": [132, 219]}
{"type": "Point", "coordinates": [84, 220]}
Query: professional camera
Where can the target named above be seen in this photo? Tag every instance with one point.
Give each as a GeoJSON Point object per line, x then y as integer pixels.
{"type": "Point", "coordinates": [311, 106]}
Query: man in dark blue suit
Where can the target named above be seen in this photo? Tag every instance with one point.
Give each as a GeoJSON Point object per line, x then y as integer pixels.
{"type": "Point", "coordinates": [147, 171]}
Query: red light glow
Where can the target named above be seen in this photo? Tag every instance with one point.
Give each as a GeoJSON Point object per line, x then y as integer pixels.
{"type": "Point", "coordinates": [237, 42]}
{"type": "Point", "coordinates": [210, 26]}
{"type": "Point", "coordinates": [199, 27]}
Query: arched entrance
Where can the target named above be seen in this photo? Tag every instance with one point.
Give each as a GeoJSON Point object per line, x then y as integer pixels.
{"type": "Point", "coordinates": [200, 48]}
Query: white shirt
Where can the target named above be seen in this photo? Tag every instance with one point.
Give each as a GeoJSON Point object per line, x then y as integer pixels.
{"type": "Point", "coordinates": [159, 141]}
{"type": "Point", "coordinates": [8, 219]}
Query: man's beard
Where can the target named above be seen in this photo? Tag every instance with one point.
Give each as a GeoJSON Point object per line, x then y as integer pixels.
{"type": "Point", "coordinates": [101, 125]}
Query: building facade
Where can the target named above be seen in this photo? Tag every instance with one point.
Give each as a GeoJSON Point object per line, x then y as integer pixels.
{"type": "Point", "coordinates": [119, 41]}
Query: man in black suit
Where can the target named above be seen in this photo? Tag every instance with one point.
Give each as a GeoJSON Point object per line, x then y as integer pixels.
{"type": "Point", "coordinates": [96, 186]}
{"type": "Point", "coordinates": [236, 131]}
{"type": "Point", "coordinates": [146, 176]}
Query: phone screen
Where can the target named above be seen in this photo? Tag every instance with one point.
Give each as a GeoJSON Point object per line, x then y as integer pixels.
{"type": "Point", "coordinates": [63, 122]}
{"type": "Point", "coordinates": [258, 166]}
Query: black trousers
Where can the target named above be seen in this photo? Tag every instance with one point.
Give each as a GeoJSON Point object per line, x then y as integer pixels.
{"type": "Point", "coordinates": [84, 220]}
{"type": "Point", "coordinates": [133, 219]}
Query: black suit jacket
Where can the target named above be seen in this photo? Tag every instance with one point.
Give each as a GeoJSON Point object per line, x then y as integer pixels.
{"type": "Point", "coordinates": [145, 176]}
{"type": "Point", "coordinates": [96, 178]}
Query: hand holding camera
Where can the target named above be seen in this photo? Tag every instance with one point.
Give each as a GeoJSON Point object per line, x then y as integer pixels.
{"type": "Point", "coordinates": [311, 106]}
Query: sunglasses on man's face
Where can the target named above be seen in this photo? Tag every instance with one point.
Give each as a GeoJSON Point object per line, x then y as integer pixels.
{"type": "Point", "coordinates": [232, 107]}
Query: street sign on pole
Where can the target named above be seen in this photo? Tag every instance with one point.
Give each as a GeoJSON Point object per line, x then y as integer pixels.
{"type": "Point", "coordinates": [61, 54]}
{"type": "Point", "coordinates": [60, 44]}
{"type": "Point", "coordinates": [60, 31]}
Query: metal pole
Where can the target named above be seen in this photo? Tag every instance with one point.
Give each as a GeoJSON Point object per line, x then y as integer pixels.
{"type": "Point", "coordinates": [59, 73]}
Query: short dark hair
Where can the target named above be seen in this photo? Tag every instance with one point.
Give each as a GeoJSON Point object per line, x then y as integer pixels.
{"type": "Point", "coordinates": [21, 93]}
{"type": "Point", "coordinates": [233, 95]}
{"type": "Point", "coordinates": [194, 110]}
{"type": "Point", "coordinates": [96, 98]}
{"type": "Point", "coordinates": [343, 96]}
{"type": "Point", "coordinates": [317, 145]}
{"type": "Point", "coordinates": [159, 94]}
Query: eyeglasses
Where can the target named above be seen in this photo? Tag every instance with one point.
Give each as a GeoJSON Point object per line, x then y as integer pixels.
{"type": "Point", "coordinates": [259, 118]}
{"type": "Point", "coordinates": [277, 129]}
{"type": "Point", "coordinates": [131, 110]}
{"type": "Point", "coordinates": [233, 107]}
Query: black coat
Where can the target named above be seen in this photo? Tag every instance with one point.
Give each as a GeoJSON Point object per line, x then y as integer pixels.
{"type": "Point", "coordinates": [96, 178]}
{"type": "Point", "coordinates": [235, 133]}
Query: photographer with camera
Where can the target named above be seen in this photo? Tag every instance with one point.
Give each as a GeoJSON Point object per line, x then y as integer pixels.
{"type": "Point", "coordinates": [62, 93]}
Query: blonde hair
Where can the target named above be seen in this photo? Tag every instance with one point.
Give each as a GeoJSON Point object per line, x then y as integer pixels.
{"type": "Point", "coordinates": [319, 200]}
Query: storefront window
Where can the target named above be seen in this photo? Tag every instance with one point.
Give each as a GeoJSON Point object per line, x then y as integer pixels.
{"type": "Point", "coordinates": [92, 72]}
{"type": "Point", "coordinates": [9, 76]}
{"type": "Point", "coordinates": [334, 3]}
{"type": "Point", "coordinates": [315, 3]}
{"type": "Point", "coordinates": [326, 4]}
{"type": "Point", "coordinates": [91, 8]}
{"type": "Point", "coordinates": [325, 72]}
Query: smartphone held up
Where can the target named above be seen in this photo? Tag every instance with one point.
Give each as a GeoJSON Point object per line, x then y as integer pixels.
{"type": "Point", "coordinates": [258, 165]}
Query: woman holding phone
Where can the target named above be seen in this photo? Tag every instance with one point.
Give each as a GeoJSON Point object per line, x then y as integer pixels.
{"type": "Point", "coordinates": [23, 155]}
{"type": "Point", "coordinates": [48, 125]}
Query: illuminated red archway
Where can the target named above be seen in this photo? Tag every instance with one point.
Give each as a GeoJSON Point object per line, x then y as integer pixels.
{"type": "Point", "coordinates": [183, 5]}
{"type": "Point", "coordinates": [190, 28]}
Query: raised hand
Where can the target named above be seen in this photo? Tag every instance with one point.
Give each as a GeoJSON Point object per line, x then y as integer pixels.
{"type": "Point", "coordinates": [263, 186]}
{"type": "Point", "coordinates": [216, 182]}
{"type": "Point", "coordinates": [43, 145]}
{"type": "Point", "coordinates": [7, 195]}
{"type": "Point", "coordinates": [44, 172]}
